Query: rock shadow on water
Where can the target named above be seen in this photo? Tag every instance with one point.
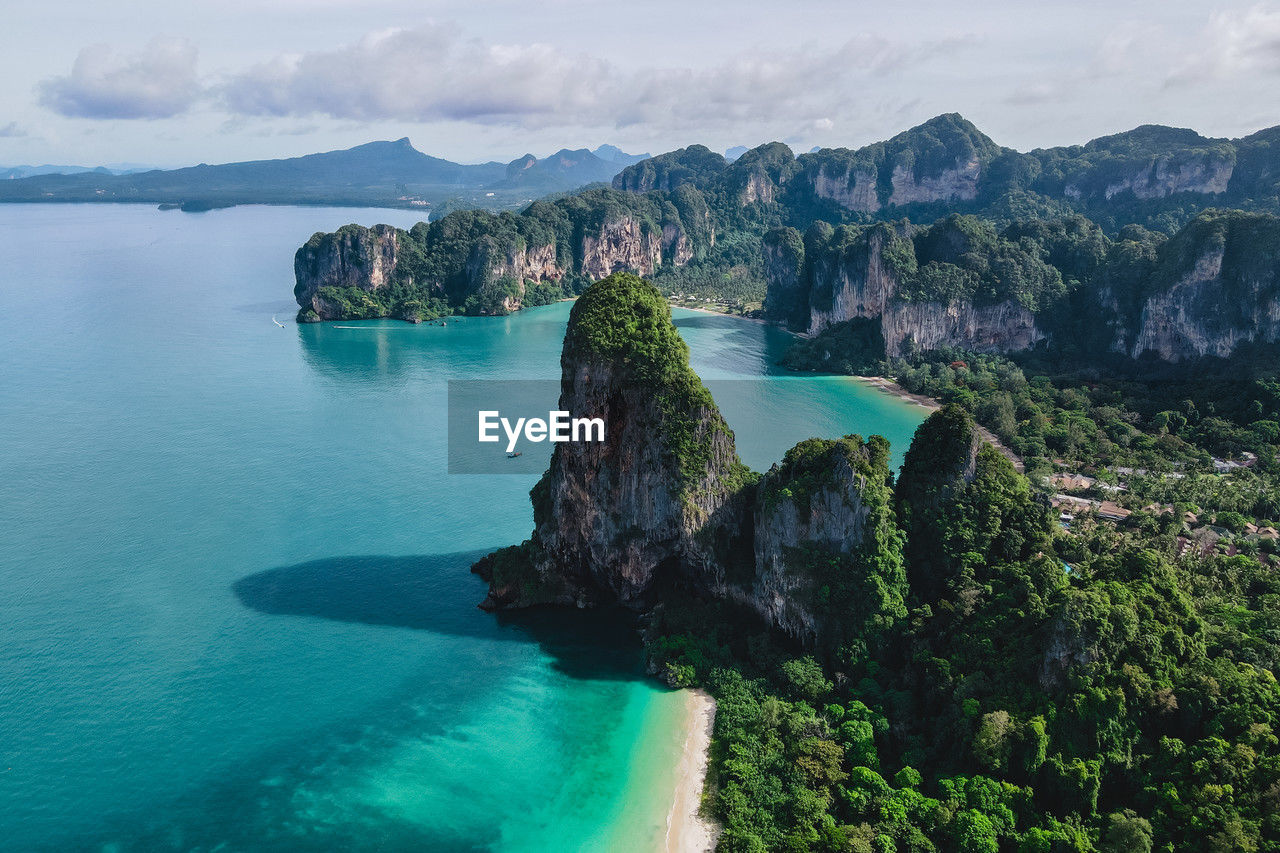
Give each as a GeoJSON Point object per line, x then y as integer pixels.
{"type": "Point", "coordinates": [437, 593]}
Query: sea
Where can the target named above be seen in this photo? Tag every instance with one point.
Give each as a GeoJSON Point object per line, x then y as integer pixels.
{"type": "Point", "coordinates": [236, 612]}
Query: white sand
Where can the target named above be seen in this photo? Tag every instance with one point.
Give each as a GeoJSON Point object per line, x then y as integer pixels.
{"type": "Point", "coordinates": [687, 830]}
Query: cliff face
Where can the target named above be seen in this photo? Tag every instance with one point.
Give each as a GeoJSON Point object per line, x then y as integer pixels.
{"type": "Point", "coordinates": [482, 263]}
{"type": "Point", "coordinates": [489, 265]}
{"type": "Point", "coordinates": [853, 188]}
{"type": "Point", "coordinates": [353, 256]}
{"type": "Point", "coordinates": [618, 525]}
{"type": "Point", "coordinates": [800, 517]}
{"type": "Point", "coordinates": [956, 183]}
{"type": "Point", "coordinates": [1170, 175]}
{"type": "Point", "coordinates": [1002, 327]}
{"type": "Point", "coordinates": [855, 280]}
{"type": "Point", "coordinates": [621, 245]}
{"type": "Point", "coordinates": [663, 504]}
{"type": "Point", "coordinates": [1190, 318]}
{"type": "Point", "coordinates": [660, 502]}
{"type": "Point", "coordinates": [850, 284]}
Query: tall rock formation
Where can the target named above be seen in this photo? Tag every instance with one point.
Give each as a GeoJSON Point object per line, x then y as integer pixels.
{"type": "Point", "coordinates": [1215, 288]}
{"type": "Point", "coordinates": [353, 256]}
{"type": "Point", "coordinates": [911, 281]}
{"type": "Point", "coordinates": [664, 504]}
{"type": "Point", "coordinates": [661, 502]}
{"type": "Point", "coordinates": [828, 564]}
{"type": "Point", "coordinates": [963, 508]}
{"type": "Point", "coordinates": [484, 263]}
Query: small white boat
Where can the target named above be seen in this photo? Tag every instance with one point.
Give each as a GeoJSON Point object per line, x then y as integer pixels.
{"type": "Point", "coordinates": [277, 322]}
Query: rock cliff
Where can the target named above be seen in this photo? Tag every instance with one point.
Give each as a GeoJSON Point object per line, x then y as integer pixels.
{"type": "Point", "coordinates": [482, 263]}
{"type": "Point", "coordinates": [661, 501]}
{"type": "Point", "coordinates": [622, 245]}
{"type": "Point", "coordinates": [353, 256]}
{"type": "Point", "coordinates": [822, 519]}
{"type": "Point", "coordinates": [1217, 289]}
{"type": "Point", "coordinates": [1004, 326]}
{"type": "Point", "coordinates": [834, 277]}
{"type": "Point", "coordinates": [664, 504]}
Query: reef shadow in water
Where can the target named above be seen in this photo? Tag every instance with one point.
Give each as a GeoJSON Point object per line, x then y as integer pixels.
{"type": "Point", "coordinates": [436, 593]}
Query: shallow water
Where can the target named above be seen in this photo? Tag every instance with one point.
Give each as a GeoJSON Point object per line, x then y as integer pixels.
{"type": "Point", "coordinates": [236, 604]}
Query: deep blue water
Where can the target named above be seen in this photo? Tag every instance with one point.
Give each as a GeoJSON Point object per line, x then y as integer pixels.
{"type": "Point", "coordinates": [235, 607]}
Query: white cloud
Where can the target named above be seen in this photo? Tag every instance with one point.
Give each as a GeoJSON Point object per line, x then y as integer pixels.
{"type": "Point", "coordinates": [432, 73]}
{"type": "Point", "coordinates": [1233, 44]}
{"type": "Point", "coordinates": [12, 130]}
{"type": "Point", "coordinates": [159, 81]}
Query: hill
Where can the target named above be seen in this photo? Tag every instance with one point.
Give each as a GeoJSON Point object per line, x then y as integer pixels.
{"type": "Point", "coordinates": [382, 174]}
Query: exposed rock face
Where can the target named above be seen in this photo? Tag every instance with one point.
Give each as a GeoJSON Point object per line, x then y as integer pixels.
{"type": "Point", "coordinates": [617, 521]}
{"type": "Point", "coordinates": [676, 244]}
{"type": "Point", "coordinates": [1189, 318]}
{"type": "Point", "coordinates": [860, 284]}
{"type": "Point", "coordinates": [664, 503]}
{"type": "Point", "coordinates": [660, 501]}
{"type": "Point", "coordinates": [1170, 174]}
{"type": "Point", "coordinates": [1002, 327]}
{"type": "Point", "coordinates": [758, 188]}
{"type": "Point", "coordinates": [1219, 289]}
{"type": "Point", "coordinates": [370, 259]}
{"type": "Point", "coordinates": [855, 189]}
{"type": "Point", "coordinates": [353, 256]}
{"type": "Point", "coordinates": [851, 285]}
{"type": "Point", "coordinates": [958, 183]}
{"type": "Point", "coordinates": [622, 245]}
{"type": "Point", "coordinates": [831, 518]}
{"type": "Point", "coordinates": [489, 264]}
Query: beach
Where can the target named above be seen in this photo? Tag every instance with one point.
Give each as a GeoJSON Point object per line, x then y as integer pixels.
{"type": "Point", "coordinates": [888, 386]}
{"type": "Point", "coordinates": [702, 310]}
{"type": "Point", "coordinates": [688, 831]}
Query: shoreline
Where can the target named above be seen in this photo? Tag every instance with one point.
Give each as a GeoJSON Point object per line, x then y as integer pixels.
{"type": "Point", "coordinates": [888, 386]}
{"type": "Point", "coordinates": [688, 831]}
{"type": "Point", "coordinates": [760, 320]}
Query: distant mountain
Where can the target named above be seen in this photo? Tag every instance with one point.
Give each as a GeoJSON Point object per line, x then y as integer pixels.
{"type": "Point", "coordinates": [386, 174]}
{"type": "Point", "coordinates": [614, 154]}
{"type": "Point", "coordinates": [735, 152]}
{"type": "Point", "coordinates": [10, 173]}
{"type": "Point", "coordinates": [566, 169]}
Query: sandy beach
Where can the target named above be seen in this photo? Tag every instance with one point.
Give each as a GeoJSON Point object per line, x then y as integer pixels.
{"type": "Point", "coordinates": [888, 386]}
{"type": "Point", "coordinates": [687, 830]}
{"type": "Point", "coordinates": [718, 313]}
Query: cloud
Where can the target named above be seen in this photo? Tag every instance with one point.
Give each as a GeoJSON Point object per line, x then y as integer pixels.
{"type": "Point", "coordinates": [159, 81]}
{"type": "Point", "coordinates": [433, 73]}
{"type": "Point", "coordinates": [1235, 44]}
{"type": "Point", "coordinates": [427, 73]}
{"type": "Point", "coordinates": [1033, 94]}
{"type": "Point", "coordinates": [12, 131]}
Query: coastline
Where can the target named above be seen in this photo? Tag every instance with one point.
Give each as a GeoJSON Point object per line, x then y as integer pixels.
{"type": "Point", "coordinates": [760, 320]}
{"type": "Point", "coordinates": [688, 831]}
{"type": "Point", "coordinates": [888, 386]}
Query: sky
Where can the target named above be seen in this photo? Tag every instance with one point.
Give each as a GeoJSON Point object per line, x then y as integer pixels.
{"type": "Point", "coordinates": [176, 83]}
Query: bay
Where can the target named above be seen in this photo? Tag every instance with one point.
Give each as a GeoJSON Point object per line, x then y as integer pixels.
{"type": "Point", "coordinates": [235, 606]}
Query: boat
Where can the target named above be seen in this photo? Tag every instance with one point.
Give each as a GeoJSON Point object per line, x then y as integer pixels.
{"type": "Point", "coordinates": [514, 455]}
{"type": "Point", "coordinates": [277, 322]}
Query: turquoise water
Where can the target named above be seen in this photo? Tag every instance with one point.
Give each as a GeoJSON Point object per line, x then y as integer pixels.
{"type": "Point", "coordinates": [235, 607]}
